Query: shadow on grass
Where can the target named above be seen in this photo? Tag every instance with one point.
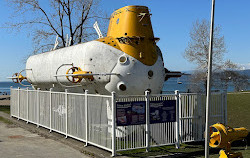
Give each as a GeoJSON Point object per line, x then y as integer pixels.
{"type": "Point", "coordinates": [241, 143]}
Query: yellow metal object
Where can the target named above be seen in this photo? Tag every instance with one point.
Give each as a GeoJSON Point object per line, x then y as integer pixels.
{"type": "Point", "coordinates": [110, 41]}
{"type": "Point", "coordinates": [222, 136]}
{"type": "Point", "coordinates": [75, 75]}
{"type": "Point", "coordinates": [223, 154]}
{"type": "Point", "coordinates": [130, 31]}
{"type": "Point", "coordinates": [17, 77]}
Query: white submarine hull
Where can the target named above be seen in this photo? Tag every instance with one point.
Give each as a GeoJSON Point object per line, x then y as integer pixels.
{"type": "Point", "coordinates": [96, 57]}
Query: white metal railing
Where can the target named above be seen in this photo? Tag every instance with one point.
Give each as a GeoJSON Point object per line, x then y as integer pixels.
{"type": "Point", "coordinates": [80, 116]}
{"type": "Point", "coordinates": [92, 118]}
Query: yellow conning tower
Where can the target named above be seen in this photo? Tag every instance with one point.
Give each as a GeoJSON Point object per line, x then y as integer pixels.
{"type": "Point", "coordinates": [130, 31]}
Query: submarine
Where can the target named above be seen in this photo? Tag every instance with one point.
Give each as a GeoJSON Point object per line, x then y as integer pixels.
{"type": "Point", "coordinates": [126, 61]}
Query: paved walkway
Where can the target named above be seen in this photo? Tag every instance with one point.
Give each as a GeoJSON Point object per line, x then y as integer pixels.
{"type": "Point", "coordinates": [16, 142]}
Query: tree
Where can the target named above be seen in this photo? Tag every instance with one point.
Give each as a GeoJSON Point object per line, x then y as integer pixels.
{"type": "Point", "coordinates": [198, 46]}
{"type": "Point", "coordinates": [231, 75]}
{"type": "Point", "coordinates": [69, 20]}
{"type": "Point", "coordinates": [197, 52]}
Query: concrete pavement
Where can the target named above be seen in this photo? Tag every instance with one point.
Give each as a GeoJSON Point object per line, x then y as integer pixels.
{"type": "Point", "coordinates": [18, 142]}
{"type": "Point", "coordinates": [72, 143]}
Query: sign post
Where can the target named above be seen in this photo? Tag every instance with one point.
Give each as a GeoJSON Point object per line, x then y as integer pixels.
{"type": "Point", "coordinates": [147, 121]}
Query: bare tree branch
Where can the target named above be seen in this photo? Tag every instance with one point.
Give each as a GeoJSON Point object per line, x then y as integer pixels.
{"type": "Point", "coordinates": [197, 52]}
{"type": "Point", "coordinates": [83, 19]}
{"type": "Point", "coordinates": [59, 17]}
{"type": "Point", "coordinates": [61, 23]}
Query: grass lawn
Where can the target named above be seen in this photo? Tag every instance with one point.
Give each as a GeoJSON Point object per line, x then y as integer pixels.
{"type": "Point", "coordinates": [191, 150]}
{"type": "Point", "coordinates": [5, 109]}
{"type": "Point", "coordinates": [5, 120]}
{"type": "Point", "coordinates": [238, 105]}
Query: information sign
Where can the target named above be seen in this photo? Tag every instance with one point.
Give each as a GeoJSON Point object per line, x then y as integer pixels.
{"type": "Point", "coordinates": [162, 111]}
{"type": "Point", "coordinates": [130, 113]}
{"type": "Point", "coordinates": [134, 113]}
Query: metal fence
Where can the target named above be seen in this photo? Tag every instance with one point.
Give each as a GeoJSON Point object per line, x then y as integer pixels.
{"type": "Point", "coordinates": [90, 118]}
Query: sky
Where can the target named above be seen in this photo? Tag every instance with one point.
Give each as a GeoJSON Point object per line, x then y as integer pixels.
{"type": "Point", "coordinates": [172, 21]}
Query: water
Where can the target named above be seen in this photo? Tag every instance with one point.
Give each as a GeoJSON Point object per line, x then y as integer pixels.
{"type": "Point", "coordinates": [5, 86]}
{"type": "Point", "coordinates": [183, 86]}
{"type": "Point", "coordinates": [169, 86]}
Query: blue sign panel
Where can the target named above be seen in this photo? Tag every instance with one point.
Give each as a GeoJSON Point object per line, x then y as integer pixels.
{"type": "Point", "coordinates": [130, 113]}
{"type": "Point", "coordinates": [162, 111]}
{"type": "Point", "coordinates": [134, 113]}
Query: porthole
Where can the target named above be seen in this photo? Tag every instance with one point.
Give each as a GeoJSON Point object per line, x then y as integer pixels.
{"type": "Point", "coordinates": [121, 86]}
{"type": "Point", "coordinates": [123, 59]}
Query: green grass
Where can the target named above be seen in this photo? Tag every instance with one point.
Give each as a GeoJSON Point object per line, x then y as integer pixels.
{"type": "Point", "coordinates": [5, 120]}
{"type": "Point", "coordinates": [192, 150]}
{"type": "Point", "coordinates": [164, 150]}
{"type": "Point", "coordinates": [238, 105]}
{"type": "Point", "coordinates": [5, 109]}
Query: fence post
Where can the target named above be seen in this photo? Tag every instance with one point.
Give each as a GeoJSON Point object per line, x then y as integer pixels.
{"type": "Point", "coordinates": [27, 105]}
{"type": "Point", "coordinates": [225, 106]}
{"type": "Point", "coordinates": [66, 114]}
{"type": "Point", "coordinates": [38, 107]}
{"type": "Point", "coordinates": [147, 121]}
{"type": "Point", "coordinates": [222, 113]}
{"type": "Point", "coordinates": [113, 124]}
{"type": "Point", "coordinates": [200, 113]}
{"type": "Point", "coordinates": [18, 103]}
{"type": "Point", "coordinates": [11, 103]}
{"type": "Point", "coordinates": [86, 117]}
{"type": "Point", "coordinates": [177, 97]}
{"type": "Point", "coordinates": [180, 118]}
{"type": "Point", "coordinates": [50, 109]}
